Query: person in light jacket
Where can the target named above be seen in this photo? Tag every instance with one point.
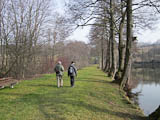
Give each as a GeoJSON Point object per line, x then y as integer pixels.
{"type": "Point", "coordinates": [59, 73]}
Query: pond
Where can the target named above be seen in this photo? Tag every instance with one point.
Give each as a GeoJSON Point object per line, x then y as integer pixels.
{"type": "Point", "coordinates": [146, 84]}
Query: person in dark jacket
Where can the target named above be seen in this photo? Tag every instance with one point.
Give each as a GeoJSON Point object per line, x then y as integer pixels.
{"type": "Point", "coordinates": [72, 72]}
{"type": "Point", "coordinates": [59, 73]}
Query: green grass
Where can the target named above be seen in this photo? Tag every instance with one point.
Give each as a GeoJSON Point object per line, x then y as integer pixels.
{"type": "Point", "coordinates": [94, 97]}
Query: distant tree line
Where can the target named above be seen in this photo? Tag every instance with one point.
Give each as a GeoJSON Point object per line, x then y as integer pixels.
{"type": "Point", "coordinates": [147, 56]}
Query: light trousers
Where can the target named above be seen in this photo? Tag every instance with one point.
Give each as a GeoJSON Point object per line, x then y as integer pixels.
{"type": "Point", "coordinates": [59, 81]}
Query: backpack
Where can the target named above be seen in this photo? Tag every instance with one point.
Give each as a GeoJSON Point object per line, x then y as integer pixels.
{"type": "Point", "coordinates": [57, 69]}
{"type": "Point", "coordinates": [71, 70]}
{"type": "Point", "coordinates": [57, 72]}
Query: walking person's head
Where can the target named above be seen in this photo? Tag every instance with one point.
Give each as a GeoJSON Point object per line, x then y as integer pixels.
{"type": "Point", "coordinates": [59, 62]}
{"type": "Point", "coordinates": [72, 62]}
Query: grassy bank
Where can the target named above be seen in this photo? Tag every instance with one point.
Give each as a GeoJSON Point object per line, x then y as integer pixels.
{"type": "Point", "coordinates": [93, 98]}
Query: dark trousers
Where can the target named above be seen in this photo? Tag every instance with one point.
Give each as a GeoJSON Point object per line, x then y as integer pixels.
{"type": "Point", "coordinates": [72, 81]}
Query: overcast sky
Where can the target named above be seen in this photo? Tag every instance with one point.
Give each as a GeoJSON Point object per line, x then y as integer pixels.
{"type": "Point", "coordinates": [149, 35]}
{"type": "Point", "coordinates": [146, 36]}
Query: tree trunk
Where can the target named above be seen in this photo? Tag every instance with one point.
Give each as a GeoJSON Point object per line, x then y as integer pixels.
{"type": "Point", "coordinates": [107, 62]}
{"type": "Point", "coordinates": [112, 37]}
{"type": "Point", "coordinates": [102, 54]}
{"type": "Point", "coordinates": [54, 44]}
{"type": "Point", "coordinates": [102, 58]}
{"type": "Point", "coordinates": [127, 64]}
{"type": "Point", "coordinates": [121, 47]}
{"type": "Point", "coordinates": [1, 41]}
{"type": "Point", "coordinates": [121, 44]}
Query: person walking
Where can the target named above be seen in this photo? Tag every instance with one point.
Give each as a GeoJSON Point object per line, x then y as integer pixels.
{"type": "Point", "coordinates": [59, 73]}
{"type": "Point", "coordinates": [72, 72]}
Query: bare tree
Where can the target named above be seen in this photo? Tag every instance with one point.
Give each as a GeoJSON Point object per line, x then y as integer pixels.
{"type": "Point", "coordinates": [21, 25]}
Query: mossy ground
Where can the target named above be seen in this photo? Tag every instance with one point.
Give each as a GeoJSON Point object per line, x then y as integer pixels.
{"type": "Point", "coordinates": [94, 97]}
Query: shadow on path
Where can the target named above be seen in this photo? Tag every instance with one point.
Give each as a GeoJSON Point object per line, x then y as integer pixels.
{"type": "Point", "coordinates": [99, 81]}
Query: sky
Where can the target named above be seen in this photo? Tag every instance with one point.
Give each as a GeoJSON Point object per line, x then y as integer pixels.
{"type": "Point", "coordinates": [149, 35]}
{"type": "Point", "coordinates": [144, 36]}
{"type": "Point", "coordinates": [81, 34]}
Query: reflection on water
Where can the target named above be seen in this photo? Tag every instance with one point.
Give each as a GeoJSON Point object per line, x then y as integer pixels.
{"type": "Point", "coordinates": [146, 82]}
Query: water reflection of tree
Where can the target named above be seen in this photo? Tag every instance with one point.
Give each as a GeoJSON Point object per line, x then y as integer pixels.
{"type": "Point", "coordinates": [147, 71]}
{"type": "Point", "coordinates": [146, 75]}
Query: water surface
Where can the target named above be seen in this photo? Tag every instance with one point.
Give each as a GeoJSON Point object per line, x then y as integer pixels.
{"type": "Point", "coordinates": [147, 84]}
